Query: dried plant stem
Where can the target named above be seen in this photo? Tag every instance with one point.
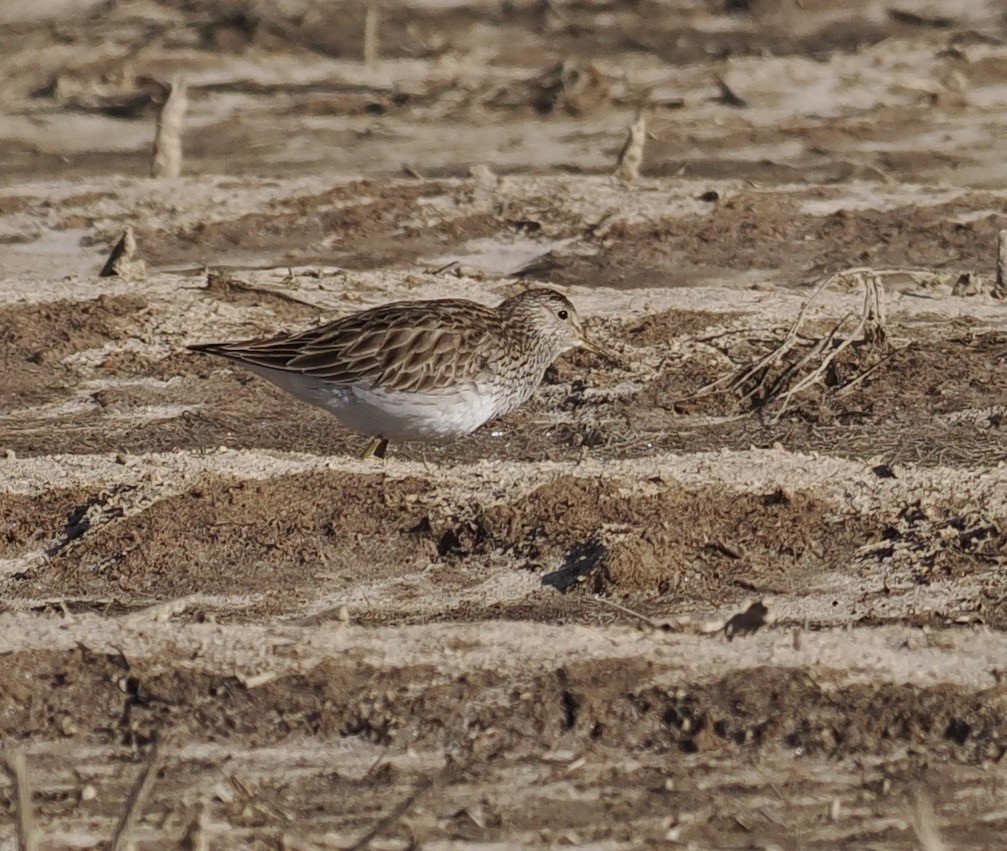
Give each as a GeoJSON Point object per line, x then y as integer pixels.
{"type": "Point", "coordinates": [26, 836]}
{"type": "Point", "coordinates": [793, 335]}
{"type": "Point", "coordinates": [631, 155]}
{"type": "Point", "coordinates": [603, 601]}
{"type": "Point", "coordinates": [168, 137]}
{"type": "Point", "coordinates": [1000, 288]}
{"type": "Point", "coordinates": [372, 19]}
{"type": "Point", "coordinates": [815, 352]}
{"type": "Point", "coordinates": [849, 386]}
{"type": "Point", "coordinates": [797, 376]}
{"type": "Point", "coordinates": [137, 799]}
{"type": "Point", "coordinates": [870, 325]}
{"type": "Point", "coordinates": [400, 809]}
{"type": "Point", "coordinates": [924, 823]}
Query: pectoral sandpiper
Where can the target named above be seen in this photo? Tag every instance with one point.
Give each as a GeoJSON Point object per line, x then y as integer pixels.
{"type": "Point", "coordinates": [419, 370]}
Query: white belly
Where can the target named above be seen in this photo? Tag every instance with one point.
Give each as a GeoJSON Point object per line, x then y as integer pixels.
{"type": "Point", "coordinates": [392, 414]}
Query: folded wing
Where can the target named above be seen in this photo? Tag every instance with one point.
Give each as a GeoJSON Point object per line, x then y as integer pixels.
{"type": "Point", "coordinates": [408, 346]}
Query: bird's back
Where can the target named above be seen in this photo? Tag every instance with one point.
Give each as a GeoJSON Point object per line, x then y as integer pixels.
{"type": "Point", "coordinates": [419, 346]}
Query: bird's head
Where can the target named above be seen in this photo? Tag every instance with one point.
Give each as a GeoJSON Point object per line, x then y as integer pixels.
{"type": "Point", "coordinates": [551, 316]}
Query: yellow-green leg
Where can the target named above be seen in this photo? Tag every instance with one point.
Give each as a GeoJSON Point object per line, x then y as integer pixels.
{"type": "Point", "coordinates": [376, 448]}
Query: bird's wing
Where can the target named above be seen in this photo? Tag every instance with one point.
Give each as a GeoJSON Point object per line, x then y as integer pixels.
{"type": "Point", "coordinates": [411, 346]}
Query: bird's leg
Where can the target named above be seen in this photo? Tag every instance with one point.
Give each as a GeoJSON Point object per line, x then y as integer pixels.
{"type": "Point", "coordinates": [376, 448]}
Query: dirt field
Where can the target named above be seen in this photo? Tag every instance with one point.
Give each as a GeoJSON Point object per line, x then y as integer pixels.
{"type": "Point", "coordinates": [516, 639]}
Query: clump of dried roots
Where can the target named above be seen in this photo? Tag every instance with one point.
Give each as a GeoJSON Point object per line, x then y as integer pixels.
{"type": "Point", "coordinates": [798, 363]}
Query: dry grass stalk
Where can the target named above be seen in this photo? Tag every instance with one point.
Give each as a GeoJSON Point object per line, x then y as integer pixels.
{"type": "Point", "coordinates": [137, 800]}
{"type": "Point", "coordinates": [27, 839]}
{"type": "Point", "coordinates": [168, 138]}
{"type": "Point", "coordinates": [777, 377]}
{"type": "Point", "coordinates": [372, 19]}
{"type": "Point", "coordinates": [1000, 288]}
{"type": "Point", "coordinates": [389, 821]}
{"type": "Point", "coordinates": [924, 823]}
{"type": "Point", "coordinates": [197, 836]}
{"type": "Point", "coordinates": [631, 155]}
{"type": "Point", "coordinates": [870, 329]}
{"type": "Point", "coordinates": [604, 601]}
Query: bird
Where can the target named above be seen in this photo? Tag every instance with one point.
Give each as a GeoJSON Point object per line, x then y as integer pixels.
{"type": "Point", "coordinates": [423, 371]}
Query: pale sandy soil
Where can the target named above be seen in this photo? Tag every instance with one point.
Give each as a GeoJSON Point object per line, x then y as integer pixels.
{"type": "Point", "coordinates": [514, 639]}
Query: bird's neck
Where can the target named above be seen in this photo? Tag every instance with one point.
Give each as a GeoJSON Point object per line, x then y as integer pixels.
{"type": "Point", "coordinates": [527, 340]}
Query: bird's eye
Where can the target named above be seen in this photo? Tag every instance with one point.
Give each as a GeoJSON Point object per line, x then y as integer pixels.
{"type": "Point", "coordinates": [563, 314]}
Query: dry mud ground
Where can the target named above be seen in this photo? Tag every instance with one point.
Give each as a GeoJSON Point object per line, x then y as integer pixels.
{"type": "Point", "coordinates": [511, 640]}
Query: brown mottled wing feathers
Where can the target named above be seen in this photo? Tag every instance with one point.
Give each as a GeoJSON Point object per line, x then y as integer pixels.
{"type": "Point", "coordinates": [417, 346]}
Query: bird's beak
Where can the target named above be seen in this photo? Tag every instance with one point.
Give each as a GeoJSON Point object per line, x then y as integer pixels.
{"type": "Point", "coordinates": [595, 349]}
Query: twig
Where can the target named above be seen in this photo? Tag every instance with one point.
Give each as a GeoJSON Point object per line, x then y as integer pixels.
{"type": "Point", "coordinates": [849, 385]}
{"type": "Point", "coordinates": [137, 799]}
{"type": "Point", "coordinates": [221, 283]}
{"type": "Point", "coordinates": [627, 611]}
{"type": "Point", "coordinates": [734, 332]}
{"type": "Point", "coordinates": [440, 270]}
{"type": "Point", "coordinates": [161, 612]}
{"type": "Point", "coordinates": [371, 21]}
{"type": "Point", "coordinates": [758, 382]}
{"type": "Point", "coordinates": [631, 155]}
{"type": "Point", "coordinates": [871, 302]}
{"type": "Point", "coordinates": [822, 345]}
{"type": "Point", "coordinates": [1000, 288]}
{"type": "Point", "coordinates": [197, 834]}
{"type": "Point", "coordinates": [26, 836]}
{"type": "Point", "coordinates": [924, 824]}
{"type": "Point", "coordinates": [400, 809]}
{"type": "Point", "coordinates": [814, 352]}
{"type": "Point", "coordinates": [788, 343]}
